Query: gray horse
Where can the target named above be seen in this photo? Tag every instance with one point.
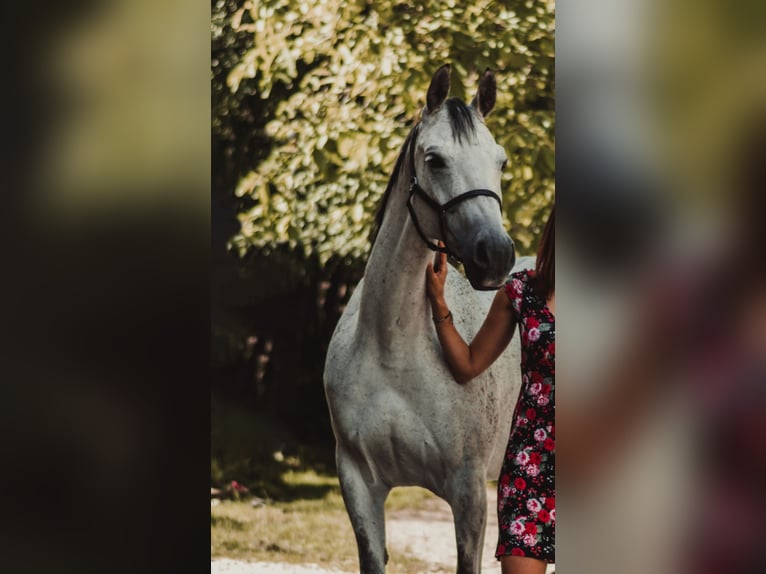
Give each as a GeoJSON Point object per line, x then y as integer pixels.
{"type": "Point", "coordinates": [398, 416]}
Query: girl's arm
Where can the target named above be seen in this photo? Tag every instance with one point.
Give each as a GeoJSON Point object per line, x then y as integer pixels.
{"type": "Point", "coordinates": [468, 361]}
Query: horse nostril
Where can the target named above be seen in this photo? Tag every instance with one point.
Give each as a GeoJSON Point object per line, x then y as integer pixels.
{"type": "Point", "coordinates": [481, 254]}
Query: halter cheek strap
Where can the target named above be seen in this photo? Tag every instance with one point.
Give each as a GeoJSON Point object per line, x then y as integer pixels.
{"type": "Point", "coordinates": [440, 209]}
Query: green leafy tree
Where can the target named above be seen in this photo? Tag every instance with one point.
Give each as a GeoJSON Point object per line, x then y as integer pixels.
{"type": "Point", "coordinates": [331, 88]}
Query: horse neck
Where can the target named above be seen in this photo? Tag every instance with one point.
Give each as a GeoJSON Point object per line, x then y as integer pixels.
{"type": "Point", "coordinates": [394, 304]}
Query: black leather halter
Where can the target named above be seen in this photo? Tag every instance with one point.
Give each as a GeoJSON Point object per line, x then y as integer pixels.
{"type": "Point", "coordinates": [440, 209]}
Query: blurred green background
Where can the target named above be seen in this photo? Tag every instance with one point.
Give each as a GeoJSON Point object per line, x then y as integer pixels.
{"type": "Point", "coordinates": [311, 102]}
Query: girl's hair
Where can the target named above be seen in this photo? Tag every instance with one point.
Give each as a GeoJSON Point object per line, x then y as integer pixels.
{"type": "Point", "coordinates": [545, 270]}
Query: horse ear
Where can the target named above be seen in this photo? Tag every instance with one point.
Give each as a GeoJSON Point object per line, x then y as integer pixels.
{"type": "Point", "coordinates": [438, 90]}
{"type": "Point", "coordinates": [484, 100]}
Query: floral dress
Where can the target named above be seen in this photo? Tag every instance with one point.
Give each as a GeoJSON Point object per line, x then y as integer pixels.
{"type": "Point", "coordinates": [526, 503]}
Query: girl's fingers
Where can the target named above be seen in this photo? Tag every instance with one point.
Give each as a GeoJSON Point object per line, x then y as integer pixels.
{"type": "Point", "coordinates": [440, 261]}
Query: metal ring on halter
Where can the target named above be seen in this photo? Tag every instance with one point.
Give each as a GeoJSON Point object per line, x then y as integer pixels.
{"type": "Point", "coordinates": [439, 208]}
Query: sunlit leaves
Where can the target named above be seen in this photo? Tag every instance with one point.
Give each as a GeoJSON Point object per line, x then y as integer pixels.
{"type": "Point", "coordinates": [346, 80]}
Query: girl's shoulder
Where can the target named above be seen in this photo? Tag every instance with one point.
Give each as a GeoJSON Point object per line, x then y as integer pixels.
{"type": "Point", "coordinates": [524, 275]}
{"type": "Point", "coordinates": [519, 279]}
{"type": "Point", "coordinates": [516, 284]}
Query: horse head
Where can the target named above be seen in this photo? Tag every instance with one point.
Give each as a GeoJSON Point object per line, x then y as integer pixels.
{"type": "Point", "coordinates": [456, 166]}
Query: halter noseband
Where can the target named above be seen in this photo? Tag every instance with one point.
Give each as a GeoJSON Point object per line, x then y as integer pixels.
{"type": "Point", "coordinates": [440, 209]}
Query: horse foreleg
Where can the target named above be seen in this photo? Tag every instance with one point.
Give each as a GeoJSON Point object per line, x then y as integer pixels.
{"type": "Point", "coordinates": [468, 499]}
{"type": "Point", "coordinates": [364, 499]}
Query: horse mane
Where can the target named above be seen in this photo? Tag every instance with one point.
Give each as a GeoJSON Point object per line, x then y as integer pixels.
{"type": "Point", "coordinates": [391, 181]}
{"type": "Point", "coordinates": [461, 118]}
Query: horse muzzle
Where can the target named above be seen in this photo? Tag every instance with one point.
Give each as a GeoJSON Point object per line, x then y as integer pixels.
{"type": "Point", "coordinates": [488, 259]}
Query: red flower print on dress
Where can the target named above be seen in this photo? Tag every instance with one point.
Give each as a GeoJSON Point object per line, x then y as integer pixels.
{"type": "Point", "coordinates": [543, 516]}
{"type": "Point", "coordinates": [530, 539]}
{"type": "Point", "coordinates": [530, 528]}
{"type": "Point", "coordinates": [520, 483]}
{"type": "Point", "coordinates": [550, 503]}
{"type": "Point", "coordinates": [517, 552]}
{"type": "Point", "coordinates": [531, 414]}
{"type": "Point", "coordinates": [532, 469]}
{"type": "Point", "coordinates": [535, 458]}
{"type": "Point", "coordinates": [549, 444]}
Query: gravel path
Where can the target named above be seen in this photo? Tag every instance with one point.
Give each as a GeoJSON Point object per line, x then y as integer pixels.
{"type": "Point", "coordinates": [428, 534]}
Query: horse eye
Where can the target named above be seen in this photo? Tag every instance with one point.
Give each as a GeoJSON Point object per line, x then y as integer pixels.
{"type": "Point", "coordinates": [505, 164]}
{"type": "Point", "coordinates": [434, 161]}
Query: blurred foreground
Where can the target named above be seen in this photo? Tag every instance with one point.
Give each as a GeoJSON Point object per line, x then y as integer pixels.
{"type": "Point", "coordinates": [661, 142]}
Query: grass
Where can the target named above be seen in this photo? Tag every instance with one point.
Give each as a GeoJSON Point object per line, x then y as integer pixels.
{"type": "Point", "coordinates": [315, 530]}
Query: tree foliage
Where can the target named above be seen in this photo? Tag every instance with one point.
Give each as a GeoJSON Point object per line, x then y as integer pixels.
{"type": "Point", "coordinates": [329, 89]}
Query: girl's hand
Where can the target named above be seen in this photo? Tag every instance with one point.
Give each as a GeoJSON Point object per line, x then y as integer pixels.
{"type": "Point", "coordinates": [436, 276]}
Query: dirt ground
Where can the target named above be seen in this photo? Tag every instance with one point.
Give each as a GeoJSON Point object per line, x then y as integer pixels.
{"type": "Point", "coordinates": [428, 534]}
